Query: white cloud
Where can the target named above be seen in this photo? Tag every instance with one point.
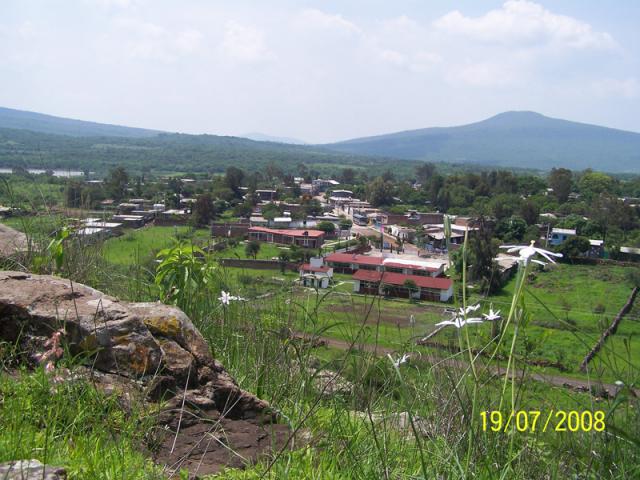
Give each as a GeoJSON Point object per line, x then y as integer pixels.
{"type": "Point", "coordinates": [149, 41]}
{"type": "Point", "coordinates": [244, 43]}
{"type": "Point", "coordinates": [317, 19]}
{"type": "Point", "coordinates": [525, 23]}
{"type": "Point", "coordinates": [617, 88]}
{"type": "Point", "coordinates": [483, 74]}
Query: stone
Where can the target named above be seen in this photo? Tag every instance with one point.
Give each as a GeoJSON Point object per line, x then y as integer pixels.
{"type": "Point", "coordinates": [154, 346]}
{"type": "Point", "coordinates": [12, 241]}
{"type": "Point", "coordinates": [30, 470]}
{"type": "Point", "coordinates": [329, 383]}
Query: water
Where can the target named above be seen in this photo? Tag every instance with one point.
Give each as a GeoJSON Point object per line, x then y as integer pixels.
{"type": "Point", "coordinates": [56, 173]}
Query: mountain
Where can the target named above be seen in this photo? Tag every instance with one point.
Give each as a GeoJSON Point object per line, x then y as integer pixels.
{"type": "Point", "coordinates": [38, 122]}
{"type": "Point", "coordinates": [263, 137]}
{"type": "Point", "coordinates": [510, 139]}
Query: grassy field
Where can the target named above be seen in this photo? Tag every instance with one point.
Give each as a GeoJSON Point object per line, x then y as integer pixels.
{"type": "Point", "coordinates": [578, 302]}
{"type": "Point", "coordinates": [135, 246]}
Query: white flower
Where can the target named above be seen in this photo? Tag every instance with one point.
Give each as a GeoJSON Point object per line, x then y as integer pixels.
{"type": "Point", "coordinates": [619, 383]}
{"type": "Point", "coordinates": [412, 320]}
{"type": "Point", "coordinates": [469, 309]}
{"type": "Point", "coordinates": [492, 315]}
{"type": "Point", "coordinates": [226, 298]}
{"type": "Point", "coordinates": [458, 321]}
{"type": "Point", "coordinates": [399, 361]}
{"type": "Point", "coordinates": [528, 251]}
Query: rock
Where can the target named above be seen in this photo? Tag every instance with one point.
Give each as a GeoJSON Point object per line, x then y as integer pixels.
{"type": "Point", "coordinates": [329, 383]}
{"type": "Point", "coordinates": [155, 347]}
{"type": "Point", "coordinates": [30, 470]}
{"type": "Point", "coordinates": [11, 241]}
{"type": "Point", "coordinates": [399, 421]}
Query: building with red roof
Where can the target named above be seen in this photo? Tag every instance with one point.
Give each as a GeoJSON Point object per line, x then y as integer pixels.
{"type": "Point", "coordinates": [301, 238]}
{"type": "Point", "coordinates": [315, 274]}
{"type": "Point", "coordinates": [401, 285]}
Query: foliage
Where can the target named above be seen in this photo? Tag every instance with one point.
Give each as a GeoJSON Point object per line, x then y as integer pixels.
{"type": "Point", "coordinates": [326, 227]}
{"type": "Point", "coordinates": [252, 248]}
{"type": "Point", "coordinates": [183, 274]}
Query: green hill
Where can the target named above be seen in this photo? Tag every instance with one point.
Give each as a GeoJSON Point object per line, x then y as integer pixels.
{"type": "Point", "coordinates": [511, 139]}
{"type": "Point", "coordinates": [38, 122]}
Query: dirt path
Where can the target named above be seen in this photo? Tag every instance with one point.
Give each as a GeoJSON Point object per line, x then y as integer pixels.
{"type": "Point", "coordinates": [430, 358]}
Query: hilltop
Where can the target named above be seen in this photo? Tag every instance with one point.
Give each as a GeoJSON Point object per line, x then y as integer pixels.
{"type": "Point", "coordinates": [510, 139]}
{"type": "Point", "coordinates": [39, 122]}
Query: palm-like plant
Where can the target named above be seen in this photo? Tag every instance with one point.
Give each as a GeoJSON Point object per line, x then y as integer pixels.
{"type": "Point", "coordinates": [182, 272]}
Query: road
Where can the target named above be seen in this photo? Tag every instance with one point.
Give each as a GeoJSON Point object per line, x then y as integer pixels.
{"type": "Point", "coordinates": [555, 380]}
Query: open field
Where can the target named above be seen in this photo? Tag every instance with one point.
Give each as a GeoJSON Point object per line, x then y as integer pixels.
{"type": "Point", "coordinates": [559, 333]}
{"type": "Point", "coordinates": [143, 243]}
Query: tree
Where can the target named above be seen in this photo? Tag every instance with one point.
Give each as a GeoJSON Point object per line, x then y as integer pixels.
{"type": "Point", "coordinates": [560, 180]}
{"type": "Point", "coordinates": [482, 251]}
{"type": "Point", "coordinates": [380, 192]}
{"type": "Point", "coordinates": [233, 178]}
{"type": "Point", "coordinates": [530, 212]}
{"type": "Point", "coordinates": [73, 194]}
{"type": "Point", "coordinates": [252, 249]}
{"type": "Point", "coordinates": [116, 183]}
{"type": "Point", "coordinates": [345, 224]}
{"type": "Point", "coordinates": [411, 286]}
{"type": "Point", "coordinates": [348, 176]}
{"type": "Point", "coordinates": [511, 229]}
{"type": "Point", "coordinates": [327, 227]}
{"type": "Point", "coordinates": [574, 247]}
{"type": "Point", "coordinates": [424, 172]}
{"type": "Point", "coordinates": [204, 210]}
{"type": "Point", "coordinates": [592, 184]}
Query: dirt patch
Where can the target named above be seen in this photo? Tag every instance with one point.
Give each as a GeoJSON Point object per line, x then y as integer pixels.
{"type": "Point", "coordinates": [400, 318]}
{"type": "Point", "coordinates": [207, 443]}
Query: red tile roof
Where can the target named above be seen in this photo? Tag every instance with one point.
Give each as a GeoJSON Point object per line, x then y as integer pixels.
{"type": "Point", "coordinates": [308, 268]}
{"type": "Point", "coordinates": [411, 266]}
{"type": "Point", "coordinates": [438, 283]}
{"type": "Point", "coordinates": [353, 258]}
{"type": "Point", "coordinates": [367, 275]}
{"type": "Point", "coordinates": [287, 232]}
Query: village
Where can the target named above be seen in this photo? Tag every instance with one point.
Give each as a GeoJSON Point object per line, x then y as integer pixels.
{"type": "Point", "coordinates": [319, 229]}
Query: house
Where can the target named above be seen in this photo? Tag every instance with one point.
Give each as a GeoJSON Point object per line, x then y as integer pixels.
{"type": "Point", "coordinates": [596, 249]}
{"type": "Point", "coordinates": [229, 230]}
{"type": "Point", "coordinates": [403, 233]}
{"type": "Point", "coordinates": [321, 184]}
{"type": "Point", "coordinates": [350, 263]}
{"type": "Point", "coordinates": [130, 221]}
{"type": "Point", "coordinates": [400, 285]}
{"type": "Point", "coordinates": [266, 195]}
{"type": "Point", "coordinates": [559, 235]}
{"type": "Point", "coordinates": [110, 227]}
{"type": "Point", "coordinates": [301, 238]}
{"type": "Point", "coordinates": [315, 274]}
{"type": "Point", "coordinates": [630, 253]}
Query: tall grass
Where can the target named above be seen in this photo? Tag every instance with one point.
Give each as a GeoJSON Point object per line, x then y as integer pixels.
{"type": "Point", "coordinates": [419, 420]}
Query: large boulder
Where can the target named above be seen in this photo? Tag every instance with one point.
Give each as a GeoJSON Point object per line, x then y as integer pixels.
{"type": "Point", "coordinates": [11, 241]}
{"type": "Point", "coordinates": [152, 345]}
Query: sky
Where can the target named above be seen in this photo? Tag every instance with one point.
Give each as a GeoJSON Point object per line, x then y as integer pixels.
{"type": "Point", "coordinates": [320, 71]}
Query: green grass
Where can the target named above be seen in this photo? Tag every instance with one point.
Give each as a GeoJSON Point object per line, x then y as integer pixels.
{"type": "Point", "coordinates": [143, 243]}
{"type": "Point", "coordinates": [72, 425]}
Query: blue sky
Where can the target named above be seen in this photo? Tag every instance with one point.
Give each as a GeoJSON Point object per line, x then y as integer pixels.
{"type": "Point", "coordinates": [320, 71]}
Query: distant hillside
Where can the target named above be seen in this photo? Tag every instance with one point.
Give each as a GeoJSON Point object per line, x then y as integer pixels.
{"type": "Point", "coordinates": [177, 153]}
{"type": "Point", "coordinates": [263, 137]}
{"type": "Point", "coordinates": [38, 122]}
{"type": "Point", "coordinates": [511, 139]}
